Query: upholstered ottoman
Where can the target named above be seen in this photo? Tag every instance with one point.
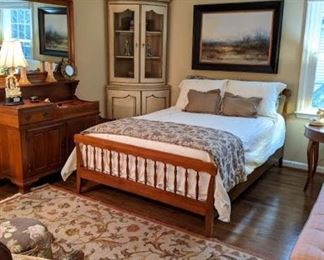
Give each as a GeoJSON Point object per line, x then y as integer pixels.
{"type": "Point", "coordinates": [26, 236]}
{"type": "Point", "coordinates": [310, 243]}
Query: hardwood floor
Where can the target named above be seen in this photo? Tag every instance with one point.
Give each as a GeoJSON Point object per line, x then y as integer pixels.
{"type": "Point", "coordinates": [266, 219]}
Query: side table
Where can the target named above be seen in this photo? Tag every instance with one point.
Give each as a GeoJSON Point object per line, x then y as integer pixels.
{"type": "Point", "coordinates": [315, 136]}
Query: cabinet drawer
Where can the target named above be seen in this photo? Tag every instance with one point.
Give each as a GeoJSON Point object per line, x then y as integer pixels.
{"type": "Point", "coordinates": [34, 116]}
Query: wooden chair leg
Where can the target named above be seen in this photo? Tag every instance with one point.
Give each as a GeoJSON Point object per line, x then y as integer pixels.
{"type": "Point", "coordinates": [209, 223]}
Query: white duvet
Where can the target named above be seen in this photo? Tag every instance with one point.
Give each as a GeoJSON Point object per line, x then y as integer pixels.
{"type": "Point", "coordinates": [261, 137]}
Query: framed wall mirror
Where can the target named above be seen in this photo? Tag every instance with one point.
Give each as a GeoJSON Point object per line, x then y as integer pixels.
{"type": "Point", "coordinates": [44, 27]}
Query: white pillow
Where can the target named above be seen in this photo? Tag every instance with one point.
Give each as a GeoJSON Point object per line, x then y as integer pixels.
{"type": "Point", "coordinates": [268, 91]}
{"type": "Point", "coordinates": [202, 85]}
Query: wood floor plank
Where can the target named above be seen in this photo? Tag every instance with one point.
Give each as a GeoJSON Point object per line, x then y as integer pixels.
{"type": "Point", "coordinates": [266, 219]}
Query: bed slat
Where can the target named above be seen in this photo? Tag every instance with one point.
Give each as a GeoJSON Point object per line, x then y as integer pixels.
{"type": "Point", "coordinates": [155, 174]}
{"type": "Point", "coordinates": [87, 156]}
{"type": "Point", "coordinates": [175, 179]}
{"type": "Point", "coordinates": [102, 161]}
{"type": "Point", "coordinates": [136, 170]}
{"type": "Point", "coordinates": [127, 166]}
{"type": "Point", "coordinates": [186, 183]}
{"type": "Point", "coordinates": [94, 159]}
{"type": "Point", "coordinates": [165, 178]}
{"type": "Point", "coordinates": [110, 163]}
{"type": "Point", "coordinates": [118, 164]}
{"type": "Point", "coordinates": [145, 171]}
{"type": "Point", "coordinates": [197, 185]}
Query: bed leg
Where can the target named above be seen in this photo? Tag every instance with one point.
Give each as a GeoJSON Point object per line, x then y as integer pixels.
{"type": "Point", "coordinates": [209, 223]}
{"type": "Point", "coordinates": [280, 162]}
{"type": "Point", "coordinates": [78, 184]}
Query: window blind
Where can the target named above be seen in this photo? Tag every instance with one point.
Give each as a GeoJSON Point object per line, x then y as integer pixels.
{"type": "Point", "coordinates": [319, 75]}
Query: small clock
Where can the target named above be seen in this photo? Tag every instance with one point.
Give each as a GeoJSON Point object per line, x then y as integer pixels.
{"type": "Point", "coordinates": [66, 69]}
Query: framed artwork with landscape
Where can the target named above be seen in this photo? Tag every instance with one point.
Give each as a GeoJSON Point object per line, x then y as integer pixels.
{"type": "Point", "coordinates": [53, 31]}
{"type": "Point", "coordinates": [237, 36]}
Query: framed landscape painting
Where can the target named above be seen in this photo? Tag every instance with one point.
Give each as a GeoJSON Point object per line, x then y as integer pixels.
{"type": "Point", "coordinates": [237, 37]}
{"type": "Point", "coordinates": [53, 31]}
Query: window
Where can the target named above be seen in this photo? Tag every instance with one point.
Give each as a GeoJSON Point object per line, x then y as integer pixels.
{"type": "Point", "coordinates": [311, 83]}
{"type": "Point", "coordinates": [19, 26]}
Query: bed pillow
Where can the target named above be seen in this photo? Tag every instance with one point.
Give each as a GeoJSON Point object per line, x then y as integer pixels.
{"type": "Point", "coordinates": [202, 85]}
{"type": "Point", "coordinates": [268, 91]}
{"type": "Point", "coordinates": [204, 102]}
{"type": "Point", "coordinates": [234, 105]}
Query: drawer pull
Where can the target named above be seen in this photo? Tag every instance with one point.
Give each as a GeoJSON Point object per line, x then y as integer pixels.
{"type": "Point", "coordinates": [45, 114]}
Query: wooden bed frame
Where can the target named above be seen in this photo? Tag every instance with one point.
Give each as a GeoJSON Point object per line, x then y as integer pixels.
{"type": "Point", "coordinates": [202, 208]}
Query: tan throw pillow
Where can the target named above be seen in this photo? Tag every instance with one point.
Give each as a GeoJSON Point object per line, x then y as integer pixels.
{"type": "Point", "coordinates": [204, 102]}
{"type": "Point", "coordinates": [233, 105]}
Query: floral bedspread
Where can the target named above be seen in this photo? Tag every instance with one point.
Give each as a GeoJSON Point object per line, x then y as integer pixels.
{"type": "Point", "coordinates": [225, 149]}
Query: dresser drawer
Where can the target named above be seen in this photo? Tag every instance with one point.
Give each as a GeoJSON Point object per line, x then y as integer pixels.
{"type": "Point", "coordinates": [35, 116]}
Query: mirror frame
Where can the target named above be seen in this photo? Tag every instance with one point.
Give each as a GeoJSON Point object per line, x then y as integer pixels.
{"type": "Point", "coordinates": [35, 77]}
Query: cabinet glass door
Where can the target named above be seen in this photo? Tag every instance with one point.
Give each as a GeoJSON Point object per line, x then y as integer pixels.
{"type": "Point", "coordinates": [123, 39]}
{"type": "Point", "coordinates": [153, 41]}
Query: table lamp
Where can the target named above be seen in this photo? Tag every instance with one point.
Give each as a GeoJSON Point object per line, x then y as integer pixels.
{"type": "Point", "coordinates": [11, 57]}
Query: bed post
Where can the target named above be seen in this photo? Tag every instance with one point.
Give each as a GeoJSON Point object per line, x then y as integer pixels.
{"type": "Point", "coordinates": [209, 217]}
{"type": "Point", "coordinates": [78, 183]}
{"type": "Point", "coordinates": [283, 110]}
{"type": "Point", "coordinates": [209, 222]}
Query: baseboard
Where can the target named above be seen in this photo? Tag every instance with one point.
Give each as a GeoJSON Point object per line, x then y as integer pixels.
{"type": "Point", "coordinates": [301, 166]}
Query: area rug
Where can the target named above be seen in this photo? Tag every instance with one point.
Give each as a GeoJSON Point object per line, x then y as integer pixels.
{"type": "Point", "coordinates": [103, 232]}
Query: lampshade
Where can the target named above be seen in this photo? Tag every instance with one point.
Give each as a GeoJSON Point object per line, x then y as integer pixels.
{"type": "Point", "coordinates": [11, 55]}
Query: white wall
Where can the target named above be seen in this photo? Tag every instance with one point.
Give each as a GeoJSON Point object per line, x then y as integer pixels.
{"type": "Point", "coordinates": [91, 49]}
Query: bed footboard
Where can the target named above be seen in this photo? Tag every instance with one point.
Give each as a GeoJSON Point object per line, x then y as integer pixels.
{"type": "Point", "coordinates": [121, 170]}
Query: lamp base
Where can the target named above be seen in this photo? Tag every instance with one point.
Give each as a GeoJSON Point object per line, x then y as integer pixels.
{"type": "Point", "coordinates": [23, 81]}
{"type": "Point", "coordinates": [13, 101]}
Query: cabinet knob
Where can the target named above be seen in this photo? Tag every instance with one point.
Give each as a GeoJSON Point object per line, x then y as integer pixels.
{"type": "Point", "coordinates": [143, 44]}
{"type": "Point", "coordinates": [45, 114]}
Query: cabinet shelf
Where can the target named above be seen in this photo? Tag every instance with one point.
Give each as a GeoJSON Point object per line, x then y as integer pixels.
{"type": "Point", "coordinates": [124, 57]}
{"type": "Point", "coordinates": [153, 32]}
{"type": "Point", "coordinates": [125, 31]}
{"type": "Point", "coordinates": [153, 58]}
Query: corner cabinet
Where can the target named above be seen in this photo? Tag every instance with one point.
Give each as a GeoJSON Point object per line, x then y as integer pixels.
{"type": "Point", "coordinates": [137, 58]}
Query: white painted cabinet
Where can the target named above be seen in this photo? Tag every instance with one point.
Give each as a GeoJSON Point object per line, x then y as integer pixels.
{"type": "Point", "coordinates": [137, 33]}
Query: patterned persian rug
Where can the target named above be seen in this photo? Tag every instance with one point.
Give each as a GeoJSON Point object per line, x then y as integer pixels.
{"type": "Point", "coordinates": [102, 232]}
